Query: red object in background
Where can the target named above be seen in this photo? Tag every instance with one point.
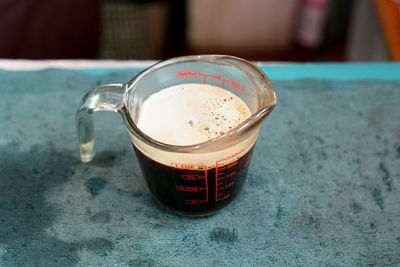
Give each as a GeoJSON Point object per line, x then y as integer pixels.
{"type": "Point", "coordinates": [46, 29]}
{"type": "Point", "coordinates": [389, 15]}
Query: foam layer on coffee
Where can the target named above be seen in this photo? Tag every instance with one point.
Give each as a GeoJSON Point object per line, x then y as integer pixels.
{"type": "Point", "coordinates": [189, 114]}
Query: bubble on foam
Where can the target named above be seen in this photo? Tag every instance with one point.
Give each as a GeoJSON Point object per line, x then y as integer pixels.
{"type": "Point", "coordinates": [191, 113]}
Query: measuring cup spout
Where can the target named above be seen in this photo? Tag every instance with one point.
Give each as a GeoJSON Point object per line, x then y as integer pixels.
{"type": "Point", "coordinates": [261, 115]}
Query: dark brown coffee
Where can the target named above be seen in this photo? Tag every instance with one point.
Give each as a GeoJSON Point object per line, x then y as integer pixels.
{"type": "Point", "coordinates": [194, 191]}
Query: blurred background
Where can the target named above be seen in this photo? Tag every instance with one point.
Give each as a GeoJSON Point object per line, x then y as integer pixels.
{"type": "Point", "coordinates": [277, 30]}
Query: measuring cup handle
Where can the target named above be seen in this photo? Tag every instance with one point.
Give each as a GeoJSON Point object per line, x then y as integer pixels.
{"type": "Point", "coordinates": [108, 98]}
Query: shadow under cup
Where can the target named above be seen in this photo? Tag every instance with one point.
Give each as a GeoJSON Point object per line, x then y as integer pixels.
{"type": "Point", "coordinates": [197, 179]}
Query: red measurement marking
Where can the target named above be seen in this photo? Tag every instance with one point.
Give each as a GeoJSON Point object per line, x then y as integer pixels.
{"type": "Point", "coordinates": [235, 85]}
{"type": "Point", "coordinates": [224, 176]}
{"type": "Point", "coordinates": [234, 155]}
{"type": "Point", "coordinates": [205, 76]}
{"type": "Point", "coordinates": [195, 201]}
{"type": "Point", "coordinates": [197, 74]}
{"type": "Point", "coordinates": [219, 174]}
{"type": "Point", "coordinates": [220, 196]}
{"type": "Point", "coordinates": [229, 175]}
{"type": "Point", "coordinates": [188, 74]}
{"type": "Point", "coordinates": [186, 166]}
{"type": "Point", "coordinates": [231, 184]}
{"type": "Point", "coordinates": [230, 165]}
{"type": "Point", "coordinates": [219, 183]}
{"type": "Point", "coordinates": [183, 188]}
{"type": "Point", "coordinates": [191, 177]}
{"type": "Point", "coordinates": [195, 178]}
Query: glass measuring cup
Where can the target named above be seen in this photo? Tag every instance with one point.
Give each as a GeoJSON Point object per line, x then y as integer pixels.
{"type": "Point", "coordinates": [197, 179]}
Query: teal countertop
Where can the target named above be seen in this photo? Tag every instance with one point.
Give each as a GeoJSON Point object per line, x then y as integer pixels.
{"type": "Point", "coordinates": [323, 187]}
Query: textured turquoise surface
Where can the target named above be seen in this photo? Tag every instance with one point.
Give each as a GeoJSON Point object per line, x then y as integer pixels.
{"type": "Point", "coordinates": [329, 71]}
{"type": "Point", "coordinates": [323, 186]}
